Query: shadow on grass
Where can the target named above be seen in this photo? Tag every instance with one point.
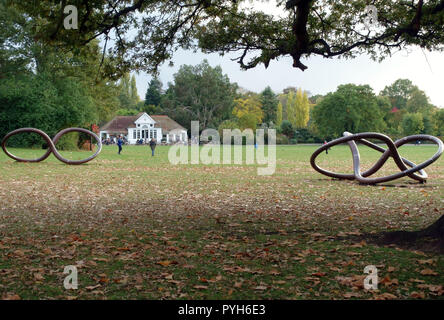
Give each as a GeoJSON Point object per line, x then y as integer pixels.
{"type": "Point", "coordinates": [430, 239]}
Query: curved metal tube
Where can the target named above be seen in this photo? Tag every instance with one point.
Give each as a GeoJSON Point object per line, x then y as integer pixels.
{"type": "Point", "coordinates": [407, 167]}
{"type": "Point", "coordinates": [51, 145]}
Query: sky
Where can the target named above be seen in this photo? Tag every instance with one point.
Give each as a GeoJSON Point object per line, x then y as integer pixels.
{"type": "Point", "coordinates": [424, 69]}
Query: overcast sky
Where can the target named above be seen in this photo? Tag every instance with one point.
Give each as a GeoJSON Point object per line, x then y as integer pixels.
{"type": "Point", "coordinates": [322, 75]}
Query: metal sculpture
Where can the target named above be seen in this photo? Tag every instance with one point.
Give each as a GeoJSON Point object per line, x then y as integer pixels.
{"type": "Point", "coordinates": [51, 145]}
{"type": "Point", "coordinates": [407, 167]}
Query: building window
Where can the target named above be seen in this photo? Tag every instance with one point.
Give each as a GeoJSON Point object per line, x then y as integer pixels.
{"type": "Point", "coordinates": [155, 134]}
{"type": "Point", "coordinates": [134, 134]}
{"type": "Point", "coordinates": [138, 134]}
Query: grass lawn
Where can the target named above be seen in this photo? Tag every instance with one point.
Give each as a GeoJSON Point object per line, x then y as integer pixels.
{"type": "Point", "coordinates": [138, 227]}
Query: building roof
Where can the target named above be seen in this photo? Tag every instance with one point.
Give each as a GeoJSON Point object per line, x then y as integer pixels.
{"type": "Point", "coordinates": [120, 124]}
{"type": "Point", "coordinates": [166, 123]}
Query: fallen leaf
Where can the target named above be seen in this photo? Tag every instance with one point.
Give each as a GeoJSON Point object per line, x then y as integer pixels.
{"type": "Point", "coordinates": [261, 288]}
{"type": "Point", "coordinates": [428, 272]}
{"type": "Point", "coordinates": [11, 296]}
{"type": "Point", "coordinates": [417, 295]}
{"type": "Point", "coordinates": [199, 287]}
{"type": "Point", "coordinates": [92, 287]}
{"type": "Point", "coordinates": [38, 277]}
{"type": "Point", "coordinates": [166, 263]}
{"type": "Point", "coordinates": [386, 296]}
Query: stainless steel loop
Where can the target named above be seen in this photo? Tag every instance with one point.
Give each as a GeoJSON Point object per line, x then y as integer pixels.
{"type": "Point", "coordinates": [407, 167]}
{"type": "Point", "coordinates": [51, 145]}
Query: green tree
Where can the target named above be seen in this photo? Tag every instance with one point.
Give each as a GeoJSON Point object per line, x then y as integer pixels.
{"type": "Point", "coordinates": [418, 102]}
{"type": "Point", "coordinates": [154, 92]}
{"type": "Point", "coordinates": [36, 101]}
{"type": "Point", "coordinates": [228, 124]}
{"type": "Point", "coordinates": [399, 92]}
{"type": "Point", "coordinates": [269, 103]}
{"type": "Point", "coordinates": [287, 128]}
{"type": "Point", "coordinates": [429, 123]}
{"type": "Point", "coordinates": [14, 38]}
{"type": "Point", "coordinates": [200, 93]}
{"type": "Point", "coordinates": [392, 116]}
{"type": "Point", "coordinates": [72, 83]}
{"type": "Point", "coordinates": [351, 108]}
{"type": "Point", "coordinates": [440, 122]}
{"type": "Point", "coordinates": [248, 121]}
{"type": "Point", "coordinates": [127, 112]}
{"type": "Point", "coordinates": [134, 96]}
{"type": "Point", "coordinates": [126, 101]}
{"type": "Point", "coordinates": [412, 123]}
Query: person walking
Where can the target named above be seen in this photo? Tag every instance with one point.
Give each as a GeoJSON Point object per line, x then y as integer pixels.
{"type": "Point", "coordinates": [119, 143]}
{"type": "Point", "coordinates": [326, 150]}
{"type": "Point", "coordinates": [152, 146]}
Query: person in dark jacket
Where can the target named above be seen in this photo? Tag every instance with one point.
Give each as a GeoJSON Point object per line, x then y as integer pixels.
{"type": "Point", "coordinates": [119, 143]}
{"type": "Point", "coordinates": [152, 146]}
{"type": "Point", "coordinates": [326, 150]}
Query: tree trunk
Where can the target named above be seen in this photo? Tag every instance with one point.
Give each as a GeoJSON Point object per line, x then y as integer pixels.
{"type": "Point", "coordinates": [432, 235]}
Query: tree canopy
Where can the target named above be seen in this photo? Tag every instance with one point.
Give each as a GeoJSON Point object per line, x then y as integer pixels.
{"type": "Point", "coordinates": [154, 92]}
{"type": "Point", "coordinates": [201, 93]}
{"type": "Point", "coordinates": [351, 108]}
{"type": "Point", "coordinates": [269, 102]}
{"type": "Point", "coordinates": [325, 28]}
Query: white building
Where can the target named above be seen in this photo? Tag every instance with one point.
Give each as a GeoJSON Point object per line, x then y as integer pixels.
{"type": "Point", "coordinates": [144, 127]}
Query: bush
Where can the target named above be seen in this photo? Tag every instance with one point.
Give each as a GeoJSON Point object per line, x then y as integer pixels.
{"type": "Point", "coordinates": [68, 142]}
{"type": "Point", "coordinates": [305, 136]}
{"type": "Point", "coordinates": [287, 128]}
{"type": "Point", "coordinates": [26, 140]}
{"type": "Point", "coordinates": [281, 139]}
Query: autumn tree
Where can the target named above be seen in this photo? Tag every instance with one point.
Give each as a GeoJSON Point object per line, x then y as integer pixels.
{"type": "Point", "coordinates": [298, 108]}
{"type": "Point", "coordinates": [302, 109]}
{"type": "Point", "coordinates": [248, 106]}
{"type": "Point", "coordinates": [290, 107]}
{"type": "Point", "coordinates": [279, 114]}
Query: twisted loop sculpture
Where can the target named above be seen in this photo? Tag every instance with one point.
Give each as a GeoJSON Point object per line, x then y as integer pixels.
{"type": "Point", "coordinates": [407, 167]}
{"type": "Point", "coordinates": [51, 145]}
